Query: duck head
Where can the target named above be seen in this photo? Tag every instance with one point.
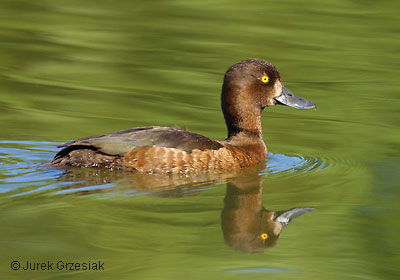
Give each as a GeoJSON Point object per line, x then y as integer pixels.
{"type": "Point", "coordinates": [250, 86]}
{"type": "Point", "coordinates": [246, 225]}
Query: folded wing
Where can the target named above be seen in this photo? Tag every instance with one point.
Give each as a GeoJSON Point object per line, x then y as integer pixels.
{"type": "Point", "coordinates": [121, 142]}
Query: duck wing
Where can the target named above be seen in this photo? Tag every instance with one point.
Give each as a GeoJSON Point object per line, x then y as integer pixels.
{"type": "Point", "coordinates": [121, 142]}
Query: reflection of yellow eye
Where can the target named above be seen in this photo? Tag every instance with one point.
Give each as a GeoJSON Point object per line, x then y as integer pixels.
{"type": "Point", "coordinates": [264, 236]}
{"type": "Point", "coordinates": [264, 79]}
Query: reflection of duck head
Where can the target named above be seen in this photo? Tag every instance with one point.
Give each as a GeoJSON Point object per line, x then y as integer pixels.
{"type": "Point", "coordinates": [246, 225]}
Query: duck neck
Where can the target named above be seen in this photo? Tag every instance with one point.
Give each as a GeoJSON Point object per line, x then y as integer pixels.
{"type": "Point", "coordinates": [243, 120]}
{"type": "Point", "coordinates": [249, 126]}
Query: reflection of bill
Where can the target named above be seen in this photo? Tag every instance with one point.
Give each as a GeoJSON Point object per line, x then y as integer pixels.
{"type": "Point", "coordinates": [246, 225]}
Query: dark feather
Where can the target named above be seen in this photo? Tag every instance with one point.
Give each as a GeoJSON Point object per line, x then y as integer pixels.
{"type": "Point", "coordinates": [121, 142]}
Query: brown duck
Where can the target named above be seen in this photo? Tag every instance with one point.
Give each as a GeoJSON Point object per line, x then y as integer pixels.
{"type": "Point", "coordinates": [247, 226]}
{"type": "Point", "coordinates": [249, 86]}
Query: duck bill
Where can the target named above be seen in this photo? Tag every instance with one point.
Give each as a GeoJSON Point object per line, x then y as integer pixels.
{"type": "Point", "coordinates": [286, 217]}
{"type": "Point", "coordinates": [289, 99]}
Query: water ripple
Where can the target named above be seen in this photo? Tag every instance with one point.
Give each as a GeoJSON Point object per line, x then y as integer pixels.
{"type": "Point", "coordinates": [279, 163]}
{"type": "Point", "coordinates": [259, 270]}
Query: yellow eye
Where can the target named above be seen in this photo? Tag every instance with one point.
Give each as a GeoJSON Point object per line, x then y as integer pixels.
{"type": "Point", "coordinates": [264, 79]}
{"type": "Point", "coordinates": [264, 236]}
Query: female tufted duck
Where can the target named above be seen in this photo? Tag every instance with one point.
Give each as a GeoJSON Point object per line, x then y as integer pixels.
{"type": "Point", "coordinates": [249, 86]}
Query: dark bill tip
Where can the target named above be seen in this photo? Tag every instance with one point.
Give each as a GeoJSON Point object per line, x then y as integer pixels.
{"type": "Point", "coordinates": [289, 99]}
{"type": "Point", "coordinates": [286, 217]}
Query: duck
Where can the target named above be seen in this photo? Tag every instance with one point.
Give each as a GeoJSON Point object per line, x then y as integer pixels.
{"type": "Point", "coordinates": [246, 225]}
{"type": "Point", "coordinates": [248, 88]}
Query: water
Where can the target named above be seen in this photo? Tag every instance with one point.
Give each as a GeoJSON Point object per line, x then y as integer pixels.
{"type": "Point", "coordinates": [70, 70]}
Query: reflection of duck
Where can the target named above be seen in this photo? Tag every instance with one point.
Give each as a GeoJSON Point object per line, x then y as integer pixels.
{"type": "Point", "coordinates": [246, 225]}
{"type": "Point", "coordinates": [248, 88]}
{"type": "Point", "coordinates": [87, 181]}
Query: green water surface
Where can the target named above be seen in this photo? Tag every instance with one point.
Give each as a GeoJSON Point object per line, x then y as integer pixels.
{"type": "Point", "coordinates": [70, 69]}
